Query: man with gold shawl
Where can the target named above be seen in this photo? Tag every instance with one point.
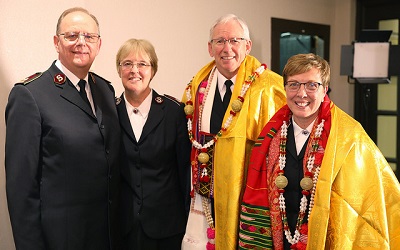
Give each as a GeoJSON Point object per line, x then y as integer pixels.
{"type": "Point", "coordinates": [316, 180]}
{"type": "Point", "coordinates": [227, 104]}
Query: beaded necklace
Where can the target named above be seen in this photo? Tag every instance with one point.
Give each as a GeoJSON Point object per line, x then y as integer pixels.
{"type": "Point", "coordinates": [308, 183]}
{"type": "Point", "coordinates": [236, 106]}
{"type": "Point", "coordinates": [203, 157]}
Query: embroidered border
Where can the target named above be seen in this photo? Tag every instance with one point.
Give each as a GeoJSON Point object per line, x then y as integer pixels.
{"type": "Point", "coordinates": [259, 141]}
{"type": "Point", "coordinates": [272, 133]}
{"type": "Point", "coordinates": [255, 228]}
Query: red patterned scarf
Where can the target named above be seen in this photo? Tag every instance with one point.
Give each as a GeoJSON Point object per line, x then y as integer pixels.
{"type": "Point", "coordinates": [261, 190]}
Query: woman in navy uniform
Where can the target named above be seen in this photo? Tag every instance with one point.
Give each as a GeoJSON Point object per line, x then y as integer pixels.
{"type": "Point", "coordinates": [156, 155]}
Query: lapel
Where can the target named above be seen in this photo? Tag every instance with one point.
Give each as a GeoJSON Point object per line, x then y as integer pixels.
{"type": "Point", "coordinates": [303, 149]}
{"type": "Point", "coordinates": [291, 143]}
{"type": "Point", "coordinates": [69, 92]}
{"type": "Point", "coordinates": [97, 97]}
{"type": "Point", "coordinates": [124, 119]}
{"type": "Point", "coordinates": [156, 115]}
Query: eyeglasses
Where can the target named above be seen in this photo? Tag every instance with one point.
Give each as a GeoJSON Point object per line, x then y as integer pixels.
{"type": "Point", "coordinates": [235, 41]}
{"type": "Point", "coordinates": [310, 87]}
{"type": "Point", "coordinates": [129, 65]}
{"type": "Point", "coordinates": [73, 37]}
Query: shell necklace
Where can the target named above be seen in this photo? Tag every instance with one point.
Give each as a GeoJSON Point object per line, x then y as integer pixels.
{"type": "Point", "coordinates": [236, 106]}
{"type": "Point", "coordinates": [203, 157]}
{"type": "Point", "coordinates": [308, 183]}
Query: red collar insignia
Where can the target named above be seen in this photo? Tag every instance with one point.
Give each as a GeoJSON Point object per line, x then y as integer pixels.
{"type": "Point", "coordinates": [60, 79]}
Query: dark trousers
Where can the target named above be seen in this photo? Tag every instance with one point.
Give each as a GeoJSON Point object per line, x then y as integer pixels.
{"type": "Point", "coordinates": [138, 240]}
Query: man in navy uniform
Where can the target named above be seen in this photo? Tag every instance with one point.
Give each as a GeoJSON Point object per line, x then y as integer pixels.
{"type": "Point", "coordinates": [62, 144]}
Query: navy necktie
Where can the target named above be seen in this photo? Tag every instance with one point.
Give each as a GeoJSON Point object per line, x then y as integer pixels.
{"type": "Point", "coordinates": [82, 91]}
{"type": "Point", "coordinates": [228, 93]}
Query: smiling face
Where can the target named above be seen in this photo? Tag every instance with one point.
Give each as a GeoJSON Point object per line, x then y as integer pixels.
{"type": "Point", "coordinates": [77, 56]}
{"type": "Point", "coordinates": [136, 80]}
{"type": "Point", "coordinates": [303, 104]}
{"type": "Point", "coordinates": [229, 57]}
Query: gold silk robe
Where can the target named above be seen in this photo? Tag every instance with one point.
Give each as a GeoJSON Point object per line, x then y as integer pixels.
{"type": "Point", "coordinates": [264, 97]}
{"type": "Point", "coordinates": [357, 200]}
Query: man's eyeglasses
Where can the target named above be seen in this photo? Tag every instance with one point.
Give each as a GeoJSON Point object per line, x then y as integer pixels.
{"type": "Point", "coordinates": [73, 37]}
{"type": "Point", "coordinates": [235, 41]}
{"type": "Point", "coordinates": [129, 65]}
{"type": "Point", "coordinates": [294, 86]}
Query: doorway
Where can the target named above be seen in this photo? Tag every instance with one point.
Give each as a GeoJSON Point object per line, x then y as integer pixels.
{"type": "Point", "coordinates": [291, 37]}
{"type": "Point", "coordinates": [376, 105]}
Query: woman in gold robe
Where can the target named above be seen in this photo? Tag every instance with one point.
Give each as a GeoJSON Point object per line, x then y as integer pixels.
{"type": "Point", "coordinates": [348, 196]}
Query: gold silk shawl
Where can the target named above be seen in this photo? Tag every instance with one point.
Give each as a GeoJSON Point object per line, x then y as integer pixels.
{"type": "Point", "coordinates": [265, 96]}
{"type": "Point", "coordinates": [357, 200]}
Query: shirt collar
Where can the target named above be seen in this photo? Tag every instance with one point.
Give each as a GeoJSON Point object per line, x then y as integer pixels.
{"type": "Point", "coordinates": [73, 78]}
{"type": "Point", "coordinates": [222, 79]}
{"type": "Point", "coordinates": [144, 107]}
{"type": "Point", "coordinates": [297, 130]}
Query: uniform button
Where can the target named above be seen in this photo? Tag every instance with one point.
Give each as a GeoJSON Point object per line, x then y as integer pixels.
{"type": "Point", "coordinates": [136, 149]}
{"type": "Point", "coordinates": [110, 177]}
{"type": "Point", "coordinates": [109, 202]}
{"type": "Point", "coordinates": [101, 126]}
{"type": "Point", "coordinates": [107, 151]}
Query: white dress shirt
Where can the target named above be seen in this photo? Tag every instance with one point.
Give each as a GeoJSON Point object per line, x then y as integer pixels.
{"type": "Point", "coordinates": [301, 135]}
{"type": "Point", "coordinates": [138, 115]}
{"type": "Point", "coordinates": [221, 84]}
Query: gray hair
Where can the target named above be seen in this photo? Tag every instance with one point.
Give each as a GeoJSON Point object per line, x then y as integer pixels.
{"type": "Point", "coordinates": [231, 17]}
{"type": "Point", "coordinates": [72, 10]}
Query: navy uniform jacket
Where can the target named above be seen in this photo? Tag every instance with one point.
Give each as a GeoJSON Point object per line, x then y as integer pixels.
{"type": "Point", "coordinates": [156, 170]}
{"type": "Point", "coordinates": [62, 169]}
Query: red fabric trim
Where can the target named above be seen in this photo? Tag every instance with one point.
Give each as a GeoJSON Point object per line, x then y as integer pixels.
{"type": "Point", "coordinates": [260, 188]}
